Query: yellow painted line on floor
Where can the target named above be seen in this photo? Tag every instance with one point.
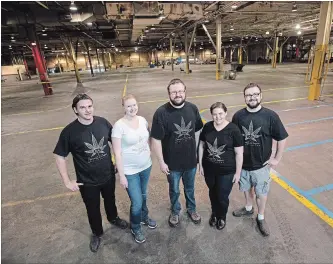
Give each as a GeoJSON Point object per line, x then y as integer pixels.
{"type": "Point", "coordinates": [221, 94]}
{"type": "Point", "coordinates": [31, 131]}
{"type": "Point", "coordinates": [125, 86]}
{"type": "Point", "coordinates": [269, 102]}
{"type": "Point", "coordinates": [11, 204]}
{"type": "Point", "coordinates": [303, 200]}
{"type": "Point", "coordinates": [42, 111]}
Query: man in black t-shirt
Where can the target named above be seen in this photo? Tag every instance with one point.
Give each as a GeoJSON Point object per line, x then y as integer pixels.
{"type": "Point", "coordinates": [260, 126]}
{"type": "Point", "coordinates": [173, 137]}
{"type": "Point", "coordinates": [87, 139]}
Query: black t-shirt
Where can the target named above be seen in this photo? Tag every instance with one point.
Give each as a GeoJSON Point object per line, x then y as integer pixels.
{"type": "Point", "coordinates": [258, 130]}
{"type": "Point", "coordinates": [219, 154]}
{"type": "Point", "coordinates": [176, 128]}
{"type": "Point", "coordinates": [90, 150]}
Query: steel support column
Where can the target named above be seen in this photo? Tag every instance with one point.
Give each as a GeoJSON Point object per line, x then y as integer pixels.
{"type": "Point", "coordinates": [275, 50]}
{"type": "Point", "coordinates": [72, 53]}
{"type": "Point", "coordinates": [219, 62]}
{"type": "Point", "coordinates": [26, 67]}
{"type": "Point", "coordinates": [103, 59]}
{"type": "Point", "coordinates": [110, 60]}
{"type": "Point", "coordinates": [171, 51]}
{"type": "Point", "coordinates": [39, 62]}
{"type": "Point", "coordinates": [210, 38]}
{"type": "Point", "coordinates": [187, 66]}
{"type": "Point", "coordinates": [322, 40]}
{"type": "Point", "coordinates": [99, 65]}
{"type": "Point", "coordinates": [86, 46]}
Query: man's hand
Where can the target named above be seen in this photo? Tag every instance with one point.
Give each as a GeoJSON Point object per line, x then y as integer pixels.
{"type": "Point", "coordinates": [272, 162]}
{"type": "Point", "coordinates": [123, 182]}
{"type": "Point", "coordinates": [164, 168]}
{"type": "Point", "coordinates": [73, 185]}
{"type": "Point", "coordinates": [236, 178]}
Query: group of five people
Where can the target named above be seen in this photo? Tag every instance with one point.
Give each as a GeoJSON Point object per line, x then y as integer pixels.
{"type": "Point", "coordinates": [228, 152]}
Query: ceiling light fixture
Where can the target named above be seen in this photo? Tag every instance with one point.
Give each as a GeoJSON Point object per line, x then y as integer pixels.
{"type": "Point", "coordinates": [267, 32]}
{"type": "Point", "coordinates": [44, 34]}
{"type": "Point", "coordinates": [234, 6]}
{"type": "Point", "coordinates": [299, 32]}
{"type": "Point", "coordinates": [298, 26]}
{"type": "Point", "coordinates": [294, 8]}
{"type": "Point", "coordinates": [89, 24]}
{"type": "Point", "coordinates": [72, 6]}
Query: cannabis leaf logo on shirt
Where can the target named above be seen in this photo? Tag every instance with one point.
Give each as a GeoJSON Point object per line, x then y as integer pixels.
{"type": "Point", "coordinates": [183, 130]}
{"type": "Point", "coordinates": [250, 134]}
{"type": "Point", "coordinates": [214, 150]}
{"type": "Point", "coordinates": [95, 148]}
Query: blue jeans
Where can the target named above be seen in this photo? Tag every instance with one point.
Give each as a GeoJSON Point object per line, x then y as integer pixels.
{"type": "Point", "coordinates": [188, 178]}
{"type": "Point", "coordinates": [137, 192]}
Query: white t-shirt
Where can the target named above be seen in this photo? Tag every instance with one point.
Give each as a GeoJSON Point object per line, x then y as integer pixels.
{"type": "Point", "coordinates": [134, 145]}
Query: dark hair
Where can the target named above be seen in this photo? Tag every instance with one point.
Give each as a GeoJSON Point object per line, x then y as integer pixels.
{"type": "Point", "coordinates": [251, 85]}
{"type": "Point", "coordinates": [175, 81]}
{"type": "Point", "coordinates": [78, 98]}
{"type": "Point", "coordinates": [218, 105]}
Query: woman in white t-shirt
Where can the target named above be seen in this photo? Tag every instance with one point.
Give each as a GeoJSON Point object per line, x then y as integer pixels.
{"type": "Point", "coordinates": [130, 141]}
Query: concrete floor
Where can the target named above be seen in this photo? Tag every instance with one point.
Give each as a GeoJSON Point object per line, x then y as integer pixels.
{"type": "Point", "coordinates": [43, 223]}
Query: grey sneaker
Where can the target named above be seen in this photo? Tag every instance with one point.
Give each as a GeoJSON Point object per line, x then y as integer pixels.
{"type": "Point", "coordinates": [195, 217]}
{"type": "Point", "coordinates": [173, 220]}
{"type": "Point", "coordinates": [138, 236]}
{"type": "Point", "coordinates": [242, 212]}
{"type": "Point", "coordinates": [263, 227]}
{"type": "Point", "coordinates": [150, 223]}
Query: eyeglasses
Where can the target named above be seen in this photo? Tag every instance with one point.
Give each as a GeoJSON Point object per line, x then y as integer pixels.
{"type": "Point", "coordinates": [177, 92]}
{"type": "Point", "coordinates": [255, 95]}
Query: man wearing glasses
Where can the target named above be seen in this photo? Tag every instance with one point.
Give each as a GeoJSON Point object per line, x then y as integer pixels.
{"type": "Point", "coordinates": [173, 137]}
{"type": "Point", "coordinates": [259, 127]}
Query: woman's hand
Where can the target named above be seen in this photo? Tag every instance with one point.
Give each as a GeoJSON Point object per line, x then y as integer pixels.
{"type": "Point", "coordinates": [123, 182]}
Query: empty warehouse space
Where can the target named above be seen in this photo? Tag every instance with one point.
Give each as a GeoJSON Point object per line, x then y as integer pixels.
{"type": "Point", "coordinates": [108, 50]}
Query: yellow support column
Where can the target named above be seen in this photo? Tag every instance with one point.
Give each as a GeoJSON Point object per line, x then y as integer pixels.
{"type": "Point", "coordinates": [322, 39]}
{"type": "Point", "coordinates": [240, 55]}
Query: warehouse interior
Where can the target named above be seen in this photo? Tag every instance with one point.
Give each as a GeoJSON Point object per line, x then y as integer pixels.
{"type": "Point", "coordinates": [53, 50]}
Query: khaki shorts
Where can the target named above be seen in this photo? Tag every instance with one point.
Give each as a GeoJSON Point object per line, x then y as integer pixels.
{"type": "Point", "coordinates": [259, 179]}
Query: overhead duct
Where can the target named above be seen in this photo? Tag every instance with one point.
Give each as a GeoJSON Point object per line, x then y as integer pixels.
{"type": "Point", "coordinates": [119, 10]}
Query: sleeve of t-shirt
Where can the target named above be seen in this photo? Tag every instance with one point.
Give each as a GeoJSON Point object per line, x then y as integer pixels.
{"type": "Point", "coordinates": [237, 138]}
{"type": "Point", "coordinates": [277, 129]}
{"type": "Point", "coordinates": [63, 146]}
{"type": "Point", "coordinates": [202, 136]}
{"type": "Point", "coordinates": [234, 119]}
{"type": "Point", "coordinates": [117, 131]}
{"type": "Point", "coordinates": [198, 122]}
{"type": "Point", "coordinates": [157, 129]}
{"type": "Point", "coordinates": [110, 129]}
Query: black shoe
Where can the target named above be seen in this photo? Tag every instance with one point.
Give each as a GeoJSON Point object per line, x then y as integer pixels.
{"type": "Point", "coordinates": [120, 223]}
{"type": "Point", "coordinates": [95, 242]}
{"type": "Point", "coordinates": [212, 220]}
{"type": "Point", "coordinates": [263, 227]}
{"type": "Point", "coordinates": [220, 224]}
{"type": "Point", "coordinates": [242, 212]}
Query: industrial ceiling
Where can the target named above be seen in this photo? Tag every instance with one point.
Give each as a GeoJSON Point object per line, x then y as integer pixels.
{"type": "Point", "coordinates": [143, 26]}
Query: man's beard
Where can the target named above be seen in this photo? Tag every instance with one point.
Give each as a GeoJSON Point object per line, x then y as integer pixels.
{"type": "Point", "coordinates": [255, 105]}
{"type": "Point", "coordinates": [176, 103]}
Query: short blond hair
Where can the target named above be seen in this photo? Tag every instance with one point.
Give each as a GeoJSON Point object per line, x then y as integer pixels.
{"type": "Point", "coordinates": [126, 97]}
